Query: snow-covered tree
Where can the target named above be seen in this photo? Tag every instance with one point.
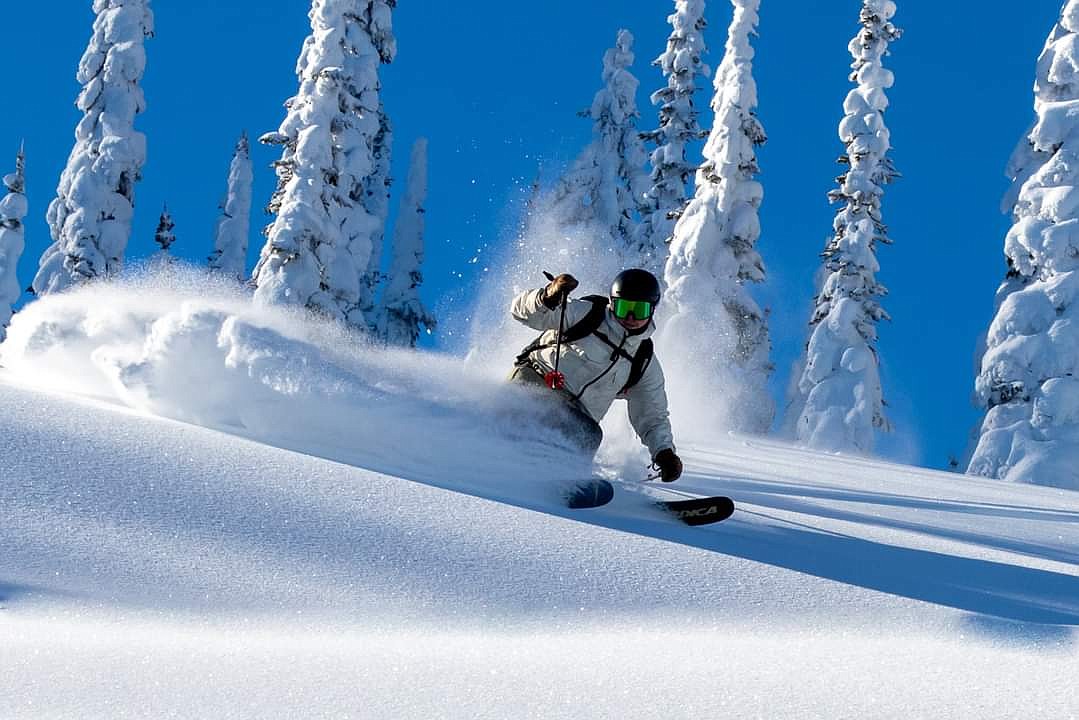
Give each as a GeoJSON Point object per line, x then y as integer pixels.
{"type": "Point", "coordinates": [230, 236]}
{"type": "Point", "coordinates": [837, 403]}
{"type": "Point", "coordinates": [377, 204]}
{"type": "Point", "coordinates": [12, 239]}
{"type": "Point", "coordinates": [1028, 381]}
{"type": "Point", "coordinates": [682, 65]}
{"type": "Point", "coordinates": [320, 242]}
{"type": "Point", "coordinates": [90, 219]}
{"type": "Point", "coordinates": [402, 310]}
{"type": "Point", "coordinates": [164, 236]}
{"type": "Point", "coordinates": [606, 184]}
{"type": "Point", "coordinates": [713, 254]}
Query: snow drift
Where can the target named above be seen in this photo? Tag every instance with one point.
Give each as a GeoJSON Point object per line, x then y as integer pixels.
{"type": "Point", "coordinates": [185, 345]}
{"type": "Point", "coordinates": [167, 569]}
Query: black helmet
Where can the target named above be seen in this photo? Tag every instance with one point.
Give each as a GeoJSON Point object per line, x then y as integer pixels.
{"type": "Point", "coordinates": [636, 284]}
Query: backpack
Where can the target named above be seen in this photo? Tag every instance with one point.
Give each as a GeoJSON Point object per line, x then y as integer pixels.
{"type": "Point", "coordinates": [589, 325]}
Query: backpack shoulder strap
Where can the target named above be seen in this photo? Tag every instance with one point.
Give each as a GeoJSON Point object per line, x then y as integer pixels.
{"type": "Point", "coordinates": [641, 362]}
{"type": "Point", "coordinates": [582, 328]}
{"type": "Point", "coordinates": [590, 322]}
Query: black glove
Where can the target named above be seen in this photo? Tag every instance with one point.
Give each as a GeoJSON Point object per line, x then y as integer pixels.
{"type": "Point", "coordinates": [558, 289]}
{"type": "Point", "coordinates": [668, 464]}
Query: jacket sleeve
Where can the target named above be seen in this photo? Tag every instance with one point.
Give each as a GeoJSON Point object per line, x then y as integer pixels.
{"type": "Point", "coordinates": [528, 308]}
{"type": "Point", "coordinates": [648, 411]}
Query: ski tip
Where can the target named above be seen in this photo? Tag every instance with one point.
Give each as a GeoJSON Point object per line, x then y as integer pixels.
{"type": "Point", "coordinates": [700, 511]}
{"type": "Point", "coordinates": [590, 494]}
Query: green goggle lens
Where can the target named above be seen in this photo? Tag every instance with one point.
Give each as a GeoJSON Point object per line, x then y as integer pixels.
{"type": "Point", "coordinates": [641, 309]}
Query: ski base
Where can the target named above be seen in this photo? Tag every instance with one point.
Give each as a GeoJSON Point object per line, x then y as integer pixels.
{"type": "Point", "coordinates": [700, 511]}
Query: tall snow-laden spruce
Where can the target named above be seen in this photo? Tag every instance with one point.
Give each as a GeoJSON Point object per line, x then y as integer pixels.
{"type": "Point", "coordinates": [713, 250]}
{"type": "Point", "coordinates": [837, 404]}
{"type": "Point", "coordinates": [1028, 378]}
{"type": "Point", "coordinates": [319, 245]}
{"type": "Point", "coordinates": [402, 310]}
{"type": "Point", "coordinates": [366, 231]}
{"type": "Point", "coordinates": [12, 239]}
{"type": "Point", "coordinates": [90, 219]}
{"type": "Point", "coordinates": [606, 184]}
{"type": "Point", "coordinates": [233, 227]}
{"type": "Point", "coordinates": [666, 199]}
{"type": "Point", "coordinates": [377, 203]}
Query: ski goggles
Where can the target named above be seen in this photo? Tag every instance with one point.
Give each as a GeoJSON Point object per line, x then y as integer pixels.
{"type": "Point", "coordinates": [641, 309]}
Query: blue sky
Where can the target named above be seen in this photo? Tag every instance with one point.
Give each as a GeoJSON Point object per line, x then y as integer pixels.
{"type": "Point", "coordinates": [495, 86]}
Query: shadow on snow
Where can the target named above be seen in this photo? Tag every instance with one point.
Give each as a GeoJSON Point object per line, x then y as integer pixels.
{"type": "Point", "coordinates": [1000, 590]}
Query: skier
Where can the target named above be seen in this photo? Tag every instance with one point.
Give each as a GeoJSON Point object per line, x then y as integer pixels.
{"type": "Point", "coordinates": [593, 350]}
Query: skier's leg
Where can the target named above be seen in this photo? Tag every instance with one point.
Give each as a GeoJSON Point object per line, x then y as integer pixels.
{"type": "Point", "coordinates": [562, 413]}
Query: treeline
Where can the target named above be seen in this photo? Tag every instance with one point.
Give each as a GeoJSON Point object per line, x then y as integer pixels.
{"type": "Point", "coordinates": [692, 221]}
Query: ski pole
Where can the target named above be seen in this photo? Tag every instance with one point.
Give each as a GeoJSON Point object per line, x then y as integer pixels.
{"type": "Point", "coordinates": [554, 379]}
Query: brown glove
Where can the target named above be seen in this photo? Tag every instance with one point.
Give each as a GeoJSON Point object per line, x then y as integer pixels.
{"type": "Point", "coordinates": [668, 464]}
{"type": "Point", "coordinates": [558, 289]}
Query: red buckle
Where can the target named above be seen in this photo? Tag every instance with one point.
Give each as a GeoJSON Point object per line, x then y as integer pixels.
{"type": "Point", "coordinates": [555, 380]}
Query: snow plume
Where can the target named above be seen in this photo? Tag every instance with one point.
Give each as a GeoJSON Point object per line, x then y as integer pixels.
{"type": "Point", "coordinates": [607, 181]}
{"type": "Point", "coordinates": [188, 344]}
{"type": "Point", "coordinates": [230, 236]}
{"type": "Point", "coordinates": [12, 239]}
{"type": "Point", "coordinates": [544, 244]}
{"type": "Point", "coordinates": [495, 340]}
{"type": "Point", "coordinates": [90, 219]}
{"type": "Point", "coordinates": [682, 65]}
{"type": "Point", "coordinates": [320, 242]}
{"type": "Point", "coordinates": [1028, 372]}
{"type": "Point", "coordinates": [402, 312]}
{"type": "Point", "coordinates": [837, 403]}
{"type": "Point", "coordinates": [714, 337]}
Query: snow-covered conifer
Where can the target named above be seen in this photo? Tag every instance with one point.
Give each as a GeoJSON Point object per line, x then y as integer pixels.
{"type": "Point", "coordinates": [365, 231]}
{"type": "Point", "coordinates": [90, 219]}
{"type": "Point", "coordinates": [607, 182]}
{"type": "Point", "coordinates": [12, 239]}
{"type": "Point", "coordinates": [837, 403]}
{"type": "Point", "coordinates": [377, 203]}
{"type": "Point", "coordinates": [230, 237]}
{"type": "Point", "coordinates": [164, 236]}
{"type": "Point", "coordinates": [682, 65]}
{"type": "Point", "coordinates": [712, 253]}
{"type": "Point", "coordinates": [1028, 381]}
{"type": "Point", "coordinates": [320, 242]}
{"type": "Point", "coordinates": [402, 310]}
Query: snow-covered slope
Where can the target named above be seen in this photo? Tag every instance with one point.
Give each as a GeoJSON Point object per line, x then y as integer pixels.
{"type": "Point", "coordinates": [211, 510]}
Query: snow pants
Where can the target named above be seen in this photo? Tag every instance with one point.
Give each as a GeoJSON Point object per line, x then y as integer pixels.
{"type": "Point", "coordinates": [562, 412]}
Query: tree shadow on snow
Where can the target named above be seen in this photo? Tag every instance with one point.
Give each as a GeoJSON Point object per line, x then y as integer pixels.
{"type": "Point", "coordinates": [1020, 634]}
{"type": "Point", "coordinates": [12, 591]}
{"type": "Point", "coordinates": [988, 588]}
{"type": "Point", "coordinates": [1005, 591]}
{"type": "Point", "coordinates": [800, 498]}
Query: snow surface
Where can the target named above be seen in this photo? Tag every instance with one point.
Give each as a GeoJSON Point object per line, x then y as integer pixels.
{"type": "Point", "coordinates": [337, 530]}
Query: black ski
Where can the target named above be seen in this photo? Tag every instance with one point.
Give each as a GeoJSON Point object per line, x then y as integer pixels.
{"type": "Point", "coordinates": [589, 493]}
{"type": "Point", "coordinates": [700, 511]}
{"type": "Point", "coordinates": [595, 492]}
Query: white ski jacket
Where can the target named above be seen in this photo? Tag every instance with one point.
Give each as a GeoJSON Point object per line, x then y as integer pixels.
{"type": "Point", "coordinates": [594, 372]}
